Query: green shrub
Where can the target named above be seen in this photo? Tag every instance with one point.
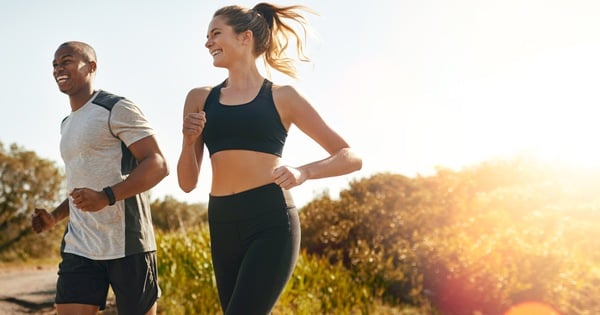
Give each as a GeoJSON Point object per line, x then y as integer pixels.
{"type": "Point", "coordinates": [316, 286]}
{"type": "Point", "coordinates": [186, 274]}
{"type": "Point", "coordinates": [478, 240]}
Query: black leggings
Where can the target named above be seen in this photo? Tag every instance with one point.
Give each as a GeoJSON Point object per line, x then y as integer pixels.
{"type": "Point", "coordinates": [255, 240]}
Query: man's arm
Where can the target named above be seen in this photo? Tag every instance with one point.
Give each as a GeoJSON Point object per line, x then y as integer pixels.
{"type": "Point", "coordinates": [151, 169]}
{"type": "Point", "coordinates": [42, 221]}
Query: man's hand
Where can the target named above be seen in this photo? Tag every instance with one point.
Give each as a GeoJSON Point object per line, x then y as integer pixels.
{"type": "Point", "coordinates": [89, 200]}
{"type": "Point", "coordinates": [42, 221]}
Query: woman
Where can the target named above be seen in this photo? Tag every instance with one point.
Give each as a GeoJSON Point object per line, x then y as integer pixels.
{"type": "Point", "coordinates": [254, 226]}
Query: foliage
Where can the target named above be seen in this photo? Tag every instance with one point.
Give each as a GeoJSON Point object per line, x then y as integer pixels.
{"type": "Point", "coordinates": [172, 215]}
{"type": "Point", "coordinates": [185, 272]}
{"type": "Point", "coordinates": [26, 182]}
{"type": "Point", "coordinates": [316, 287]}
{"type": "Point", "coordinates": [514, 241]}
{"type": "Point", "coordinates": [319, 287]}
{"type": "Point", "coordinates": [477, 240]}
{"type": "Point", "coordinates": [370, 230]}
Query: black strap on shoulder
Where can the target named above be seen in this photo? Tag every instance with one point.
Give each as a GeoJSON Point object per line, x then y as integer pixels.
{"type": "Point", "coordinates": [107, 100]}
{"type": "Point", "coordinates": [265, 89]}
{"type": "Point", "coordinates": [213, 95]}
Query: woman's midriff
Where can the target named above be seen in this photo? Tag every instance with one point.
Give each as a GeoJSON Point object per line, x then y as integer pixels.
{"type": "Point", "coordinates": [234, 171]}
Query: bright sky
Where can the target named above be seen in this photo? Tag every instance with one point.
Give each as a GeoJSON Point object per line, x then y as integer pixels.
{"type": "Point", "coordinates": [411, 85]}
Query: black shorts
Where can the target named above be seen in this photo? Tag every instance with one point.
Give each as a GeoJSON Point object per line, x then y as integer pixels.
{"type": "Point", "coordinates": [134, 280]}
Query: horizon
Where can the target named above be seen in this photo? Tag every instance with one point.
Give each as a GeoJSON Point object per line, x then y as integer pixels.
{"type": "Point", "coordinates": [416, 86]}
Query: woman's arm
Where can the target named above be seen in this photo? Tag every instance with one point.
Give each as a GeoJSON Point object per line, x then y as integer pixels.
{"type": "Point", "coordinates": [192, 147]}
{"type": "Point", "coordinates": [295, 109]}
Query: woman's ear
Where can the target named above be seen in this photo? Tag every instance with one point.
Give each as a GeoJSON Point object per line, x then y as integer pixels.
{"type": "Point", "coordinates": [246, 37]}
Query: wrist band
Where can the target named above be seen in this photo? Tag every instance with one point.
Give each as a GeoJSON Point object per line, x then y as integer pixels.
{"type": "Point", "coordinates": [111, 196]}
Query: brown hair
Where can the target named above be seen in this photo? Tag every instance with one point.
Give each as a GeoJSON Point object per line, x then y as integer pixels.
{"type": "Point", "coordinates": [271, 33]}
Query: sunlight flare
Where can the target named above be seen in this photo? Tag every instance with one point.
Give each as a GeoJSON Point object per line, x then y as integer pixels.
{"type": "Point", "coordinates": [531, 308]}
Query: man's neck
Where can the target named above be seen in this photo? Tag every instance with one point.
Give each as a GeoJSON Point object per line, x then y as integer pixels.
{"type": "Point", "coordinates": [79, 99]}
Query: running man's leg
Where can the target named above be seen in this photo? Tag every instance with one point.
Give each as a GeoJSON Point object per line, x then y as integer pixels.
{"type": "Point", "coordinates": [82, 286]}
{"type": "Point", "coordinates": [134, 280]}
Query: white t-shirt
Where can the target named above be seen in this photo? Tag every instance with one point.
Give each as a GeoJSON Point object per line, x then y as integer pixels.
{"type": "Point", "coordinates": [93, 146]}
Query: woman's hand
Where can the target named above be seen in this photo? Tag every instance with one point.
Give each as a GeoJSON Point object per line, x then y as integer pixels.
{"type": "Point", "coordinates": [193, 124]}
{"type": "Point", "coordinates": [287, 177]}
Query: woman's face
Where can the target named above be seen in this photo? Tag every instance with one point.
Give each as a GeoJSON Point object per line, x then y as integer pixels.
{"type": "Point", "coordinates": [223, 43]}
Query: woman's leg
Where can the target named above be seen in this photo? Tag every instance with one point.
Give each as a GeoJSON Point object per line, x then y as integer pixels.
{"type": "Point", "coordinates": [266, 268]}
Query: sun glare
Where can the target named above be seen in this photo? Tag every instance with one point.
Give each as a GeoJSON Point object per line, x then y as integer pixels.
{"type": "Point", "coordinates": [532, 308]}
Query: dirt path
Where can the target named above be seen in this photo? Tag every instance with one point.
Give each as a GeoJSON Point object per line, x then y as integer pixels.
{"type": "Point", "coordinates": [27, 290]}
{"type": "Point", "coordinates": [31, 290]}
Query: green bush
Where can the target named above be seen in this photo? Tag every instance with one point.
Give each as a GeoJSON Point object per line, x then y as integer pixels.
{"type": "Point", "coordinates": [477, 240]}
{"type": "Point", "coordinates": [27, 182]}
{"type": "Point", "coordinates": [186, 274]}
{"type": "Point", "coordinates": [481, 239]}
{"type": "Point", "coordinates": [316, 286]}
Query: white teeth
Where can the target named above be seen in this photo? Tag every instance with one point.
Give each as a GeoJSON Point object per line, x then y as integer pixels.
{"type": "Point", "coordinates": [61, 78]}
{"type": "Point", "coordinates": [215, 52]}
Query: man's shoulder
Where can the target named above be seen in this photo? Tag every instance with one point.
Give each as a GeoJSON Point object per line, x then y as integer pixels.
{"type": "Point", "coordinates": [107, 100]}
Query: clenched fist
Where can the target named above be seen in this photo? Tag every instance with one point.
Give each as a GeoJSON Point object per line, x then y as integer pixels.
{"type": "Point", "coordinates": [42, 221]}
{"type": "Point", "coordinates": [193, 124]}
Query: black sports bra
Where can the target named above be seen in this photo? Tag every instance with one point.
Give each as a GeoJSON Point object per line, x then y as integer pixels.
{"type": "Point", "coordinates": [254, 126]}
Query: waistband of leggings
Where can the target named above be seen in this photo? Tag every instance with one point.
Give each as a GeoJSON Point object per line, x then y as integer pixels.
{"type": "Point", "coordinates": [250, 203]}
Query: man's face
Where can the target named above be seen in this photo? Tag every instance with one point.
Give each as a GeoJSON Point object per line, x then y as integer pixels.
{"type": "Point", "coordinates": [71, 70]}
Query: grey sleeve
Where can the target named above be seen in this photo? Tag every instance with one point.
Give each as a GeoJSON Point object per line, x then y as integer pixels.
{"type": "Point", "coordinates": [128, 122]}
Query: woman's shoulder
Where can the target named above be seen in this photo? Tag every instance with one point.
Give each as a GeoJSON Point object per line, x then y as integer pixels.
{"type": "Point", "coordinates": [196, 98]}
{"type": "Point", "coordinates": [284, 88]}
{"type": "Point", "coordinates": [200, 91]}
{"type": "Point", "coordinates": [288, 94]}
{"type": "Point", "coordinates": [203, 91]}
{"type": "Point", "coordinates": [289, 102]}
{"type": "Point", "coordinates": [285, 92]}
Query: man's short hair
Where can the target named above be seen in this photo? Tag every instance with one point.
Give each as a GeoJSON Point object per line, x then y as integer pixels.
{"type": "Point", "coordinates": [87, 52]}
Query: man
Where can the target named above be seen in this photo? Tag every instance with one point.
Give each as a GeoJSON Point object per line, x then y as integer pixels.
{"type": "Point", "coordinates": [111, 160]}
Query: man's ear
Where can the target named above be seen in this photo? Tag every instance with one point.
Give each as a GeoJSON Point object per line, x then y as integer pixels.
{"type": "Point", "coordinates": [93, 66]}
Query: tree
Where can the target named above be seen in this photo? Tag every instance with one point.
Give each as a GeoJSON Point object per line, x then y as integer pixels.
{"type": "Point", "coordinates": [369, 230]}
{"type": "Point", "coordinates": [26, 182]}
{"type": "Point", "coordinates": [170, 215]}
{"type": "Point", "coordinates": [476, 240]}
